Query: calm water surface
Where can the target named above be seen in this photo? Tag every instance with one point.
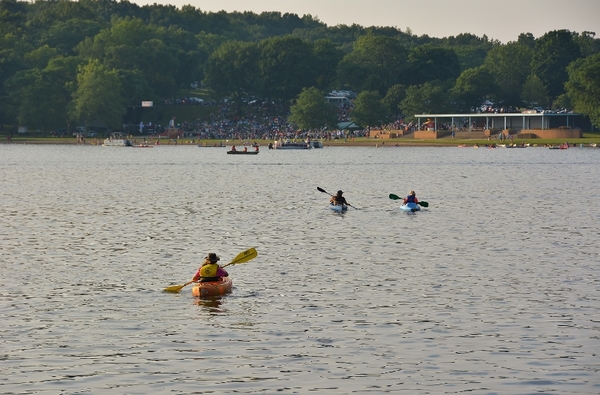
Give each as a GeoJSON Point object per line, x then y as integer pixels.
{"type": "Point", "coordinates": [494, 289]}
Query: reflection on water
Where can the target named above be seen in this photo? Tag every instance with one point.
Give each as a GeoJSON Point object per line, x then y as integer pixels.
{"type": "Point", "coordinates": [491, 289]}
{"type": "Point", "coordinates": [210, 305]}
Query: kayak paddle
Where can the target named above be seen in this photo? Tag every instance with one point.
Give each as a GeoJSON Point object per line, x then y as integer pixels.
{"type": "Point", "coordinates": [324, 191]}
{"type": "Point", "coordinates": [396, 197]}
{"type": "Point", "coordinates": [176, 288]}
{"type": "Point", "coordinates": [242, 257]}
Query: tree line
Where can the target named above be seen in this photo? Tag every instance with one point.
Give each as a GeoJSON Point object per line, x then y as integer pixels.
{"type": "Point", "coordinates": [70, 62]}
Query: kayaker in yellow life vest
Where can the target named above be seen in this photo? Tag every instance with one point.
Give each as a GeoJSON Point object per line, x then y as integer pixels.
{"type": "Point", "coordinates": [210, 270]}
{"type": "Point", "coordinates": [338, 199]}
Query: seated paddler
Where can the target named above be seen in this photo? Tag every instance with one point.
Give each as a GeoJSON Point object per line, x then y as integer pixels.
{"type": "Point", "coordinates": [338, 200]}
{"type": "Point", "coordinates": [411, 198]}
{"type": "Point", "coordinates": [210, 270]}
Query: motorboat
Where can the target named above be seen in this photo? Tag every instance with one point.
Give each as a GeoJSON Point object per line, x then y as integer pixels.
{"type": "Point", "coordinates": [279, 144]}
{"type": "Point", "coordinates": [117, 140]}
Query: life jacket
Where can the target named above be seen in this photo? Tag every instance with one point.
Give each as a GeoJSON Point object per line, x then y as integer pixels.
{"type": "Point", "coordinates": [209, 270]}
{"type": "Point", "coordinates": [410, 199]}
{"type": "Point", "coordinates": [338, 200]}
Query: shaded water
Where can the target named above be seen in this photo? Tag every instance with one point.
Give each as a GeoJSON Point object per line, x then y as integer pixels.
{"type": "Point", "coordinates": [494, 289]}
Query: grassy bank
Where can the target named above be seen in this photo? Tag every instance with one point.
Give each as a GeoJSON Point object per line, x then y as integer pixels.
{"type": "Point", "coordinates": [357, 142]}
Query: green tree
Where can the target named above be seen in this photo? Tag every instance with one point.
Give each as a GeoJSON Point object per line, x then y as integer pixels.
{"type": "Point", "coordinates": [61, 74]}
{"type": "Point", "coordinates": [286, 65]}
{"type": "Point", "coordinates": [428, 63]}
{"type": "Point", "coordinates": [11, 62]}
{"type": "Point", "coordinates": [28, 90]}
{"type": "Point", "coordinates": [312, 112]}
{"type": "Point", "coordinates": [526, 39]}
{"type": "Point", "coordinates": [534, 92]}
{"type": "Point", "coordinates": [510, 65]}
{"type": "Point", "coordinates": [553, 53]}
{"type": "Point", "coordinates": [583, 87]}
{"type": "Point", "coordinates": [429, 98]}
{"type": "Point", "coordinates": [39, 57]}
{"type": "Point", "coordinates": [473, 87]}
{"type": "Point", "coordinates": [184, 46]}
{"type": "Point", "coordinates": [588, 44]}
{"type": "Point", "coordinates": [65, 35]}
{"type": "Point", "coordinates": [41, 96]}
{"type": "Point", "coordinates": [232, 69]}
{"type": "Point", "coordinates": [375, 63]}
{"type": "Point", "coordinates": [98, 96]}
{"type": "Point", "coordinates": [131, 44]}
{"type": "Point", "coordinates": [393, 97]}
{"type": "Point", "coordinates": [327, 57]}
{"type": "Point", "coordinates": [369, 110]}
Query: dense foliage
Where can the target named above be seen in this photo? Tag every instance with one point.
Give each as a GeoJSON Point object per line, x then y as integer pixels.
{"type": "Point", "coordinates": [65, 62]}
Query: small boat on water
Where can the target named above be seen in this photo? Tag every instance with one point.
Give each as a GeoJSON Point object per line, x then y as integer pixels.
{"type": "Point", "coordinates": [339, 208]}
{"type": "Point", "coordinates": [117, 140]}
{"type": "Point", "coordinates": [212, 288]}
{"type": "Point", "coordinates": [221, 145]}
{"type": "Point", "coordinates": [291, 145]}
{"type": "Point", "coordinates": [316, 144]}
{"type": "Point", "coordinates": [593, 145]}
{"type": "Point", "coordinates": [410, 207]}
{"type": "Point", "coordinates": [242, 152]}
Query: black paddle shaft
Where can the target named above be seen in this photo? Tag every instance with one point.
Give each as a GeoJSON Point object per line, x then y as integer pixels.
{"type": "Point", "coordinates": [324, 191]}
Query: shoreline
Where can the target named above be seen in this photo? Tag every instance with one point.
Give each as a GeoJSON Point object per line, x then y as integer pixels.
{"type": "Point", "coordinates": [360, 142]}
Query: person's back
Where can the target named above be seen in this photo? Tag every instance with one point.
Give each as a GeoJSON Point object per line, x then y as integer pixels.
{"type": "Point", "coordinates": [338, 199]}
{"type": "Point", "coordinates": [411, 198]}
{"type": "Point", "coordinates": [210, 270]}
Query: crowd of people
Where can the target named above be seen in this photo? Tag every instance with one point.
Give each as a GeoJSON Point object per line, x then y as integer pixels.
{"type": "Point", "coordinates": [266, 121]}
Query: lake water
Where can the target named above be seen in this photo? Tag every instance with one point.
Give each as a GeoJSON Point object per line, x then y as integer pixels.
{"type": "Point", "coordinates": [494, 289]}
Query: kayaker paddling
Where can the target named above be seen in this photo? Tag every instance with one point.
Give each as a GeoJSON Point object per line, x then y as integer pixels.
{"type": "Point", "coordinates": [210, 270]}
{"type": "Point", "coordinates": [411, 198]}
{"type": "Point", "coordinates": [338, 200]}
{"type": "Point", "coordinates": [214, 280]}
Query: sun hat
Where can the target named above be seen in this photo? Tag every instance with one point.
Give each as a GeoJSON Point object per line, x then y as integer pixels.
{"type": "Point", "coordinates": [212, 257]}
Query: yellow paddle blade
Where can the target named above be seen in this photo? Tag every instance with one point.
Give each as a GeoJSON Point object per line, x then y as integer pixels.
{"type": "Point", "coordinates": [176, 288]}
{"type": "Point", "coordinates": [244, 256]}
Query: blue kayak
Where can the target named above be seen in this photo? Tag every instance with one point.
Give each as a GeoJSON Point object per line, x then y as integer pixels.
{"type": "Point", "coordinates": [411, 207]}
{"type": "Point", "coordinates": [338, 207]}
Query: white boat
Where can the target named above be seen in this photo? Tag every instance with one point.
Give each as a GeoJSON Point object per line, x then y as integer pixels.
{"type": "Point", "coordinates": [410, 207]}
{"type": "Point", "coordinates": [117, 140]}
{"type": "Point", "coordinates": [593, 145]}
{"type": "Point", "coordinates": [289, 145]}
{"type": "Point", "coordinates": [340, 208]}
